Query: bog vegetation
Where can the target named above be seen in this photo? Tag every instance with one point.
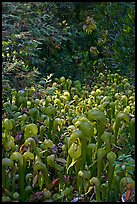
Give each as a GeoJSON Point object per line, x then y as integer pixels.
{"type": "Point", "coordinates": [68, 101]}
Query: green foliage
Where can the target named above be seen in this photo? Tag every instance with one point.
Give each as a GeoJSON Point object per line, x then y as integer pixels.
{"type": "Point", "coordinates": [120, 27]}
{"type": "Point", "coordinates": [29, 26]}
{"type": "Point", "coordinates": [68, 114]}
{"type": "Point", "coordinates": [64, 38]}
{"type": "Point", "coordinates": [60, 137]}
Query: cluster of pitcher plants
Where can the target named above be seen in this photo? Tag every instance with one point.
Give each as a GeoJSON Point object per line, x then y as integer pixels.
{"type": "Point", "coordinates": [63, 141]}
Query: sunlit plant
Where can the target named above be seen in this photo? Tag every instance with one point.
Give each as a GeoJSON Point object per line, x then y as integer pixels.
{"type": "Point", "coordinates": [66, 131]}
